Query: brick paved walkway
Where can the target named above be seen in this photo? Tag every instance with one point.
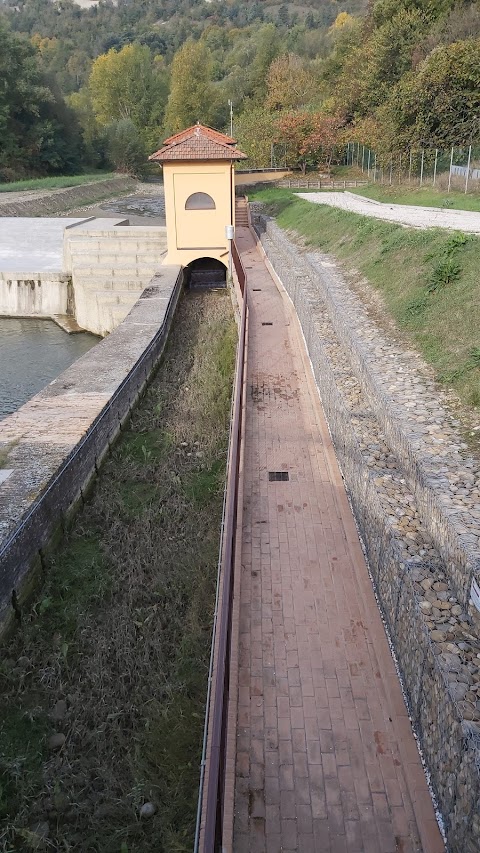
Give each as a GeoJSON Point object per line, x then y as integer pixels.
{"type": "Point", "coordinates": [326, 760]}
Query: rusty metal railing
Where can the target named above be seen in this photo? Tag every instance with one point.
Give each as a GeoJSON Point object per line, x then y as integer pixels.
{"type": "Point", "coordinates": [208, 835]}
{"type": "Point", "coordinates": [237, 262]}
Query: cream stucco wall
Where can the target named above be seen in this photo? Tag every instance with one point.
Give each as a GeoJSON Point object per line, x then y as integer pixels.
{"type": "Point", "coordinates": [193, 234]}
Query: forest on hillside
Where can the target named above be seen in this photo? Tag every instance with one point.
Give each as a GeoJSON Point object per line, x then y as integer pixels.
{"type": "Point", "coordinates": [104, 86]}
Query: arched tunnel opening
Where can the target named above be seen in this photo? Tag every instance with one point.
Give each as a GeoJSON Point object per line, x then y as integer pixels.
{"type": "Point", "coordinates": [206, 273]}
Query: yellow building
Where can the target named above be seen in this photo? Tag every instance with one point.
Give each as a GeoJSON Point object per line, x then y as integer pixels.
{"type": "Point", "coordinates": [199, 183]}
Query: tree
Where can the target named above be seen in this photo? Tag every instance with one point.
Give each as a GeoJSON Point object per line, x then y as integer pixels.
{"type": "Point", "coordinates": [191, 96]}
{"type": "Point", "coordinates": [372, 67]}
{"type": "Point", "coordinates": [322, 141]}
{"type": "Point", "coordinates": [38, 132]}
{"type": "Point", "coordinates": [125, 147]}
{"type": "Point", "coordinates": [257, 130]}
{"type": "Point", "coordinates": [438, 104]}
{"type": "Point", "coordinates": [311, 138]}
{"type": "Point", "coordinates": [126, 84]}
{"type": "Point", "coordinates": [267, 47]}
{"type": "Point", "coordinates": [289, 84]}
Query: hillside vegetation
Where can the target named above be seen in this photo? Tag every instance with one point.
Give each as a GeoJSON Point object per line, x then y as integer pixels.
{"type": "Point", "coordinates": [106, 84]}
{"type": "Point", "coordinates": [428, 280]}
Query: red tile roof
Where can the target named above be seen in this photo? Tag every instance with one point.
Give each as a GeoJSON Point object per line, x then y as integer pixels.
{"type": "Point", "coordinates": [206, 131]}
{"type": "Point", "coordinates": [198, 143]}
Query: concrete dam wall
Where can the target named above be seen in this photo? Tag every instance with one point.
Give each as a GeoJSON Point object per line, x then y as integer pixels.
{"type": "Point", "coordinates": [40, 295]}
{"type": "Point", "coordinates": [52, 446]}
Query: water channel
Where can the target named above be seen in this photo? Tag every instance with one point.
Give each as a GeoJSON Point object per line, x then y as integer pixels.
{"type": "Point", "coordinates": [32, 353]}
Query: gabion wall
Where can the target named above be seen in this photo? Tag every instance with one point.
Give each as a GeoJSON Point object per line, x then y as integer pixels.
{"type": "Point", "coordinates": [450, 743]}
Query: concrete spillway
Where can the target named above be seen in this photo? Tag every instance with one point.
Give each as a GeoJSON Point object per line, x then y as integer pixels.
{"type": "Point", "coordinates": [89, 270]}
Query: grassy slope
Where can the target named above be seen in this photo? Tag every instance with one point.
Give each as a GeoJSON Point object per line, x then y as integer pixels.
{"type": "Point", "coordinates": [121, 629]}
{"type": "Point", "coordinates": [54, 183]}
{"type": "Point", "coordinates": [425, 196]}
{"type": "Point", "coordinates": [409, 268]}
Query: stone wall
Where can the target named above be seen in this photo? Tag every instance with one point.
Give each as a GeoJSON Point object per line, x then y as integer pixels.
{"type": "Point", "coordinates": [417, 573]}
{"type": "Point", "coordinates": [54, 444]}
{"type": "Point", "coordinates": [52, 202]}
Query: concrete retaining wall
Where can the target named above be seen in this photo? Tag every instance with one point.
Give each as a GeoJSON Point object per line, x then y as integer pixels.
{"type": "Point", "coordinates": [450, 744]}
{"type": "Point", "coordinates": [58, 201]}
{"type": "Point", "coordinates": [55, 442]}
{"type": "Point", "coordinates": [41, 294]}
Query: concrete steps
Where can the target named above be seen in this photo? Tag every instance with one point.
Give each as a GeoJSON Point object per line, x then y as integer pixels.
{"type": "Point", "coordinates": [241, 213]}
{"type": "Point", "coordinates": [95, 245]}
{"type": "Point", "coordinates": [114, 272]}
{"type": "Point", "coordinates": [110, 268]}
{"type": "Point", "coordinates": [117, 259]}
{"type": "Point", "coordinates": [101, 282]}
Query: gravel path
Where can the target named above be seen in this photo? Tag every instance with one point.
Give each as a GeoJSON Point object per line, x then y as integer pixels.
{"type": "Point", "coordinates": [416, 217]}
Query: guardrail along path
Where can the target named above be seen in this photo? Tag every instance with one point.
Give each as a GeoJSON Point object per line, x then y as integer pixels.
{"type": "Point", "coordinates": [326, 760]}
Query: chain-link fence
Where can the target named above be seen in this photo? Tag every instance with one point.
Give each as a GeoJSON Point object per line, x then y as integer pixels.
{"type": "Point", "coordinates": [455, 168]}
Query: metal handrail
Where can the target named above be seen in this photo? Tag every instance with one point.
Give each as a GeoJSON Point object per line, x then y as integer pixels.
{"type": "Point", "coordinates": [211, 799]}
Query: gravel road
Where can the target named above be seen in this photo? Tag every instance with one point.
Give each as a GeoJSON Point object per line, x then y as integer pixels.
{"type": "Point", "coordinates": [415, 217]}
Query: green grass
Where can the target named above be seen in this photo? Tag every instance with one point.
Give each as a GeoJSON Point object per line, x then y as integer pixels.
{"type": "Point", "coordinates": [121, 629]}
{"type": "Point", "coordinates": [54, 183]}
{"type": "Point", "coordinates": [423, 196]}
{"type": "Point", "coordinates": [428, 279]}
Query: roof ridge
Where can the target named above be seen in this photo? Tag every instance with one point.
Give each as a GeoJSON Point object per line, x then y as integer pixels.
{"type": "Point", "coordinates": [198, 143]}
{"type": "Point", "coordinates": [205, 130]}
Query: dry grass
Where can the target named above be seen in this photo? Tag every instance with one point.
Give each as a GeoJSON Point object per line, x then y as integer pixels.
{"type": "Point", "coordinates": [121, 631]}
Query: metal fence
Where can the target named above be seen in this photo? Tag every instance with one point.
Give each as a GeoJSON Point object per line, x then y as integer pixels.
{"type": "Point", "coordinates": [211, 801]}
{"type": "Point", "coordinates": [455, 168]}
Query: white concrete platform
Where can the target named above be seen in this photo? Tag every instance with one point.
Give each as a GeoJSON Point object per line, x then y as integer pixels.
{"type": "Point", "coordinates": [30, 244]}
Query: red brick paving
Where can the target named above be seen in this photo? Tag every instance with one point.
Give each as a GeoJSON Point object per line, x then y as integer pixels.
{"type": "Point", "coordinates": [326, 760]}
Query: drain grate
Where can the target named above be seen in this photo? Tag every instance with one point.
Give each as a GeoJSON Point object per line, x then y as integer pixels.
{"type": "Point", "coordinates": [267, 324]}
{"type": "Point", "coordinates": [276, 476]}
{"type": "Point", "coordinates": [256, 289]}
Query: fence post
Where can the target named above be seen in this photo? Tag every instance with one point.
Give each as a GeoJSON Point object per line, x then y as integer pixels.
{"type": "Point", "coordinates": [435, 167]}
{"type": "Point", "coordinates": [410, 167]}
{"type": "Point", "coordinates": [468, 167]}
{"type": "Point", "coordinates": [421, 167]}
{"type": "Point", "coordinates": [368, 165]}
{"type": "Point", "coordinates": [391, 168]}
{"type": "Point", "coordinates": [374, 168]}
{"type": "Point", "coordinates": [400, 169]}
{"type": "Point", "coordinates": [363, 157]}
{"type": "Point", "coordinates": [450, 172]}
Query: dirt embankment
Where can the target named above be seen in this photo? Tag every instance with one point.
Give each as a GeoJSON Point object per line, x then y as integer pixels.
{"type": "Point", "coordinates": [52, 202]}
{"type": "Point", "coordinates": [102, 689]}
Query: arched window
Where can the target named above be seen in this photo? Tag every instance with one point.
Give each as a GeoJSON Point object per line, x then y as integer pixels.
{"type": "Point", "coordinates": [200, 201]}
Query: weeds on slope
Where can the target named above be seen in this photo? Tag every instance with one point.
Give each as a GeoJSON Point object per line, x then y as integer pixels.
{"type": "Point", "coordinates": [52, 183]}
{"type": "Point", "coordinates": [103, 688]}
{"type": "Point", "coordinates": [428, 279]}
